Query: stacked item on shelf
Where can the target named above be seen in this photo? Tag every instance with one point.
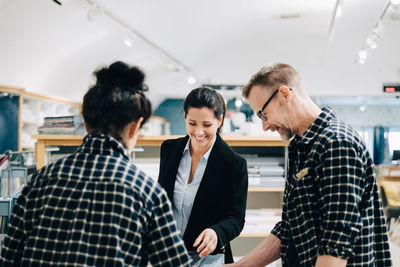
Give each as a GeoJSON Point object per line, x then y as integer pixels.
{"type": "Point", "coordinates": [13, 177]}
{"type": "Point", "coordinates": [265, 171]}
{"type": "Point", "coordinates": [63, 125]}
{"type": "Point", "coordinates": [261, 221]}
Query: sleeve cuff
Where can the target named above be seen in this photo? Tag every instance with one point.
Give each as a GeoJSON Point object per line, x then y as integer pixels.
{"type": "Point", "coordinates": [335, 251]}
{"type": "Point", "coordinates": [277, 231]}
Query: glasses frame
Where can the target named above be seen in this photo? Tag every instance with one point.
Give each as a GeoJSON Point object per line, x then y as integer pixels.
{"type": "Point", "coordinates": [260, 113]}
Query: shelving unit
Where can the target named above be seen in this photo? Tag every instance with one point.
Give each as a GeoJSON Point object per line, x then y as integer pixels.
{"type": "Point", "coordinates": [264, 203]}
{"type": "Point", "coordinates": [258, 197]}
{"type": "Point", "coordinates": [28, 111]}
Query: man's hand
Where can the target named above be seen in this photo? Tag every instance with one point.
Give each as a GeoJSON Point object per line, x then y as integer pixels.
{"type": "Point", "coordinates": [265, 253]}
{"type": "Point", "coordinates": [207, 242]}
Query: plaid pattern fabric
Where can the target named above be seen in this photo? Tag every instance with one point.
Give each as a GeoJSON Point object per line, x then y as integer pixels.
{"type": "Point", "coordinates": [93, 207]}
{"type": "Point", "coordinates": [331, 201]}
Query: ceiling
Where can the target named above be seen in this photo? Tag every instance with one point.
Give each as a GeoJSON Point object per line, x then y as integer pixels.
{"type": "Point", "coordinates": [53, 49]}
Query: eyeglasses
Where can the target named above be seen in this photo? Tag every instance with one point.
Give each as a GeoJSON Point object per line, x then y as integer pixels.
{"type": "Point", "coordinates": [260, 113]}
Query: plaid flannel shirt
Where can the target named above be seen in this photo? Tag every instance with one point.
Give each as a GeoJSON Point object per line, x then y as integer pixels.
{"type": "Point", "coordinates": [331, 202]}
{"type": "Point", "coordinates": [93, 207]}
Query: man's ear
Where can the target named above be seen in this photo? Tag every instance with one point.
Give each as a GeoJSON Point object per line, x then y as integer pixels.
{"type": "Point", "coordinates": [134, 128]}
{"type": "Point", "coordinates": [286, 92]}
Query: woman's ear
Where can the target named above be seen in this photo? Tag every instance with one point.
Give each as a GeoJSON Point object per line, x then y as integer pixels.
{"type": "Point", "coordinates": [220, 120]}
{"type": "Point", "coordinates": [86, 127]}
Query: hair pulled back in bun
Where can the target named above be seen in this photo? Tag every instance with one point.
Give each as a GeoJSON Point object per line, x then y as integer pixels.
{"type": "Point", "coordinates": [121, 75]}
{"type": "Point", "coordinates": [116, 99]}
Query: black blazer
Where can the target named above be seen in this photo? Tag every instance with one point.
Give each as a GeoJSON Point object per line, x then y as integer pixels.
{"type": "Point", "coordinates": [220, 202]}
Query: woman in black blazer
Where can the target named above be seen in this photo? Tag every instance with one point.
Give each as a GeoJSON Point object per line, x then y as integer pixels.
{"type": "Point", "coordinates": [205, 180]}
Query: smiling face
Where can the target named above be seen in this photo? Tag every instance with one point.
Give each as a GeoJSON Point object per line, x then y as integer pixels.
{"type": "Point", "coordinates": [276, 114]}
{"type": "Point", "coordinates": [202, 126]}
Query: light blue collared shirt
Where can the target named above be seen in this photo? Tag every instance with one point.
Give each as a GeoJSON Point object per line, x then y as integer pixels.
{"type": "Point", "coordinates": [185, 193]}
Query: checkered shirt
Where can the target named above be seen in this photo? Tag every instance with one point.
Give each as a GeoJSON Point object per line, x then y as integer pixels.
{"type": "Point", "coordinates": [333, 206]}
{"type": "Point", "coordinates": [94, 208]}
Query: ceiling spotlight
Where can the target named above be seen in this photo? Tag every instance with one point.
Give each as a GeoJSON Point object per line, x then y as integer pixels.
{"type": "Point", "coordinates": [128, 42]}
{"type": "Point", "coordinates": [191, 80]}
{"type": "Point", "coordinates": [339, 11]}
{"type": "Point", "coordinates": [372, 40]}
{"type": "Point", "coordinates": [362, 54]}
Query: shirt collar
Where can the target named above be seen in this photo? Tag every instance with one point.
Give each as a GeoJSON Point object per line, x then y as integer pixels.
{"type": "Point", "coordinates": [104, 145]}
{"type": "Point", "coordinates": [315, 128]}
{"type": "Point", "coordinates": [206, 155]}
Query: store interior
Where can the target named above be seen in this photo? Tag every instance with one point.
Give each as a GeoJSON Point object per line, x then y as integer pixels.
{"type": "Point", "coordinates": [346, 52]}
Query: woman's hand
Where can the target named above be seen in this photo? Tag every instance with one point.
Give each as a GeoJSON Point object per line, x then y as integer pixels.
{"type": "Point", "coordinates": [207, 242]}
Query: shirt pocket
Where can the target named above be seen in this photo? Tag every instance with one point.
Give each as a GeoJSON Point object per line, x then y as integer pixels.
{"type": "Point", "coordinates": [305, 186]}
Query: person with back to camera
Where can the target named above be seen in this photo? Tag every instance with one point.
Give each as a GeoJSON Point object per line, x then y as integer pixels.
{"type": "Point", "coordinates": [205, 180]}
{"type": "Point", "coordinates": [332, 213]}
{"type": "Point", "coordinates": [95, 207]}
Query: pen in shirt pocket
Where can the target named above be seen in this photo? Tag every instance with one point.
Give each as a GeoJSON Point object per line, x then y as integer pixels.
{"type": "Point", "coordinates": [302, 173]}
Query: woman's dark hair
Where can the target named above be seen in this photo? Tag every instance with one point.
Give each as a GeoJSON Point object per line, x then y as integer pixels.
{"type": "Point", "coordinates": [116, 99]}
{"type": "Point", "coordinates": [206, 97]}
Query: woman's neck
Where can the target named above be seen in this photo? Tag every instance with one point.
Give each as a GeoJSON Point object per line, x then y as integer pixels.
{"type": "Point", "coordinates": [199, 151]}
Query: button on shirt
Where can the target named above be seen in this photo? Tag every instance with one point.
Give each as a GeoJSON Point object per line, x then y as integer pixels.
{"type": "Point", "coordinates": [96, 208]}
{"type": "Point", "coordinates": [331, 203]}
{"type": "Point", "coordinates": [184, 193]}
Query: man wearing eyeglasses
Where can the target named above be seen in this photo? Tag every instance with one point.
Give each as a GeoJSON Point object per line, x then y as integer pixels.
{"type": "Point", "coordinates": [332, 213]}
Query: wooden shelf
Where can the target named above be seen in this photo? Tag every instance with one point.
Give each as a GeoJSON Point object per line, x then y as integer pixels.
{"type": "Point", "coordinates": [154, 140]}
{"type": "Point", "coordinates": [157, 140]}
{"type": "Point", "coordinates": [255, 141]}
{"type": "Point", "coordinates": [27, 147]}
{"type": "Point", "coordinates": [254, 235]}
{"type": "Point", "coordinates": [76, 140]}
{"type": "Point", "coordinates": [32, 122]}
{"type": "Point", "coordinates": [266, 189]}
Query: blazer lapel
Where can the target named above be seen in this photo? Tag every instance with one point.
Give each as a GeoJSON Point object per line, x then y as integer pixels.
{"type": "Point", "coordinates": [175, 157]}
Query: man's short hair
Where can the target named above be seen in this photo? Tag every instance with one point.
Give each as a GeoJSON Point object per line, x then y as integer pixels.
{"type": "Point", "coordinates": [273, 76]}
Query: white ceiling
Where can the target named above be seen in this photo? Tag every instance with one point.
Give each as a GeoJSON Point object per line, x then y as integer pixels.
{"type": "Point", "coordinates": [53, 49]}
